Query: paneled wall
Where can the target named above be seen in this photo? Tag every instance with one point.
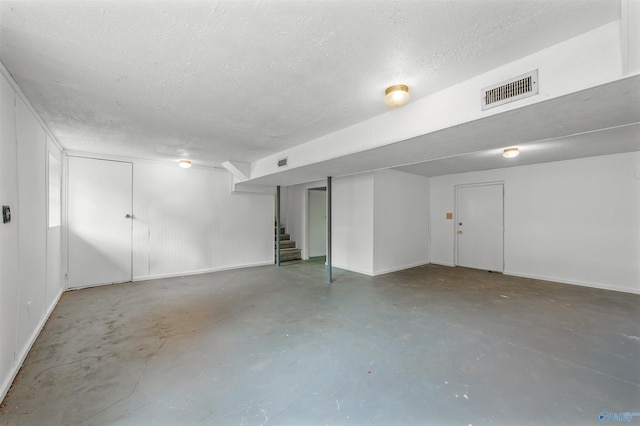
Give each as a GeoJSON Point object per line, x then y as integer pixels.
{"type": "Point", "coordinates": [30, 250]}
{"type": "Point", "coordinates": [9, 289]}
{"type": "Point", "coordinates": [187, 221]}
{"type": "Point", "coordinates": [31, 219]}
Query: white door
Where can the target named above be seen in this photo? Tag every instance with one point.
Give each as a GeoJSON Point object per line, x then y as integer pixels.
{"type": "Point", "coordinates": [480, 226]}
{"type": "Point", "coordinates": [100, 221]}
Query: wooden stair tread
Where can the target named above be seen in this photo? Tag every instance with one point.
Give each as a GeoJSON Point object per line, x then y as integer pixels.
{"type": "Point", "coordinates": [286, 244]}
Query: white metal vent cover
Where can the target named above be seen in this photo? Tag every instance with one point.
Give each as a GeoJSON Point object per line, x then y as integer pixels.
{"type": "Point", "coordinates": [511, 90]}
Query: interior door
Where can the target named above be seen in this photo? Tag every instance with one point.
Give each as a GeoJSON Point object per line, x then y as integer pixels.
{"type": "Point", "coordinates": [100, 222]}
{"type": "Point", "coordinates": [480, 226]}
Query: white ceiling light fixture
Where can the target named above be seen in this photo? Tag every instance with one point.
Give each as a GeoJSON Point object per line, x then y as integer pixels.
{"type": "Point", "coordinates": [510, 152]}
{"type": "Point", "coordinates": [185, 164]}
{"type": "Point", "coordinates": [396, 95]}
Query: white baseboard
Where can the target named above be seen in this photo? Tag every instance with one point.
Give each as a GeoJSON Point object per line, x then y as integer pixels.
{"type": "Point", "coordinates": [178, 274]}
{"type": "Point", "coordinates": [574, 282]}
{"type": "Point", "coordinates": [201, 271]}
{"type": "Point", "coordinates": [437, 262]}
{"type": "Point", "coordinates": [356, 270]}
{"type": "Point", "coordinates": [94, 285]}
{"type": "Point", "coordinates": [400, 268]}
{"type": "Point", "coordinates": [6, 384]}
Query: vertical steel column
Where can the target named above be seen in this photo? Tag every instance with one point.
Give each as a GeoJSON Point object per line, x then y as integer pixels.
{"type": "Point", "coordinates": [329, 271]}
{"type": "Point", "coordinates": [278, 225]}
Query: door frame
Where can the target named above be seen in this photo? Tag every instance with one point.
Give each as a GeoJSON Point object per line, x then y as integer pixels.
{"type": "Point", "coordinates": [456, 215]}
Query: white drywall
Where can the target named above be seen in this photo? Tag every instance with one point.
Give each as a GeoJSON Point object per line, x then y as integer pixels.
{"type": "Point", "coordinates": [187, 221]}
{"type": "Point", "coordinates": [380, 222]}
{"type": "Point", "coordinates": [29, 285]}
{"type": "Point", "coordinates": [352, 223]}
{"type": "Point", "coordinates": [575, 222]}
{"type": "Point", "coordinates": [582, 62]}
{"type": "Point", "coordinates": [401, 221]}
{"type": "Point", "coordinates": [284, 200]}
{"type": "Point", "coordinates": [630, 36]}
{"type": "Point", "coordinates": [317, 223]}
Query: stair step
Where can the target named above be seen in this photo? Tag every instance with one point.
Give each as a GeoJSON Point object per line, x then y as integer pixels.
{"type": "Point", "coordinates": [283, 237]}
{"type": "Point", "coordinates": [290, 254]}
{"type": "Point", "coordinates": [286, 244]}
{"type": "Point", "coordinates": [282, 230]}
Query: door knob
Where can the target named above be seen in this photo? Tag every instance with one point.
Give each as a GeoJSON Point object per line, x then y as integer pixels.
{"type": "Point", "coordinates": [128, 216]}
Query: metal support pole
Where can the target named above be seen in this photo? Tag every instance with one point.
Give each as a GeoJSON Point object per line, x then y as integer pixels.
{"type": "Point", "coordinates": [329, 271]}
{"type": "Point", "coordinates": [278, 226]}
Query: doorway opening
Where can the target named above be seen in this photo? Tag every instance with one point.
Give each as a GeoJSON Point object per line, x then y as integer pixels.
{"type": "Point", "coordinates": [316, 244]}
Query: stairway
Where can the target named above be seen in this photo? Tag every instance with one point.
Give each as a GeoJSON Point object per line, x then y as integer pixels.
{"type": "Point", "coordinates": [288, 250]}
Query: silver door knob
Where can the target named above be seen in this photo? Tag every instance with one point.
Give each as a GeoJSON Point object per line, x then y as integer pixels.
{"type": "Point", "coordinates": [128, 216]}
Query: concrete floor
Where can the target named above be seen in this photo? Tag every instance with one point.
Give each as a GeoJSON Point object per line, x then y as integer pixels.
{"type": "Point", "coordinates": [429, 345]}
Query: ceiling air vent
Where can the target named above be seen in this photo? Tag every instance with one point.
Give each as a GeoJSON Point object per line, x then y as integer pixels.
{"type": "Point", "coordinates": [282, 162]}
{"type": "Point", "coordinates": [511, 90]}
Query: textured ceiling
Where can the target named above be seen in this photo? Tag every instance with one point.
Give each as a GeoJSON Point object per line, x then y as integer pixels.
{"type": "Point", "coordinates": [574, 127]}
{"type": "Point", "coordinates": [238, 80]}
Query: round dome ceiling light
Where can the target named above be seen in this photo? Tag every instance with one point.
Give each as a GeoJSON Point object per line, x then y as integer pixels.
{"type": "Point", "coordinates": [510, 152]}
{"type": "Point", "coordinates": [185, 164]}
{"type": "Point", "coordinates": [396, 95]}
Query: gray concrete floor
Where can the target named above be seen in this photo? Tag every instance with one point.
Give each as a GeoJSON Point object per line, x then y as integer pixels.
{"type": "Point", "coordinates": [429, 345]}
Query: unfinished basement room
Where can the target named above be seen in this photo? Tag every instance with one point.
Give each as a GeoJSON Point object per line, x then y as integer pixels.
{"type": "Point", "coordinates": [320, 212]}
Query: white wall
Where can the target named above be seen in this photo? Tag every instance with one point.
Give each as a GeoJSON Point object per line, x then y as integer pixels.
{"type": "Point", "coordinates": [284, 202]}
{"type": "Point", "coordinates": [29, 286]}
{"type": "Point", "coordinates": [575, 222]}
{"type": "Point", "coordinates": [561, 67]}
{"type": "Point", "coordinates": [380, 222]}
{"type": "Point", "coordinates": [401, 221]}
{"type": "Point", "coordinates": [317, 223]}
{"type": "Point", "coordinates": [630, 36]}
{"type": "Point", "coordinates": [31, 216]}
{"type": "Point", "coordinates": [9, 289]}
{"type": "Point", "coordinates": [187, 221]}
{"type": "Point", "coordinates": [55, 281]}
{"type": "Point", "coordinates": [352, 223]}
